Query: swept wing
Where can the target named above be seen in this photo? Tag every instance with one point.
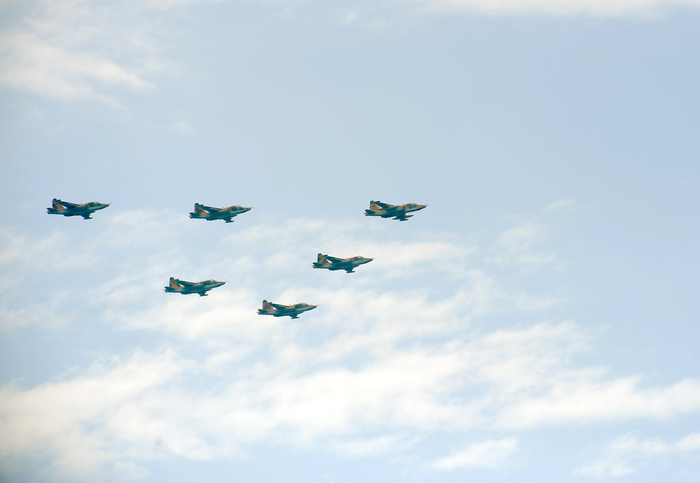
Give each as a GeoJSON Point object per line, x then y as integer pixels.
{"type": "Point", "coordinates": [185, 283]}
{"type": "Point", "coordinates": [67, 204]}
{"type": "Point", "coordinates": [384, 206]}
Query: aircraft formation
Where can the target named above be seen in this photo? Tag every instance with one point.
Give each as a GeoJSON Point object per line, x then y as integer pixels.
{"type": "Point", "coordinates": [210, 213]}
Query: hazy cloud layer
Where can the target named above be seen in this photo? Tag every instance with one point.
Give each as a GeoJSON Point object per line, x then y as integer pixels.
{"type": "Point", "coordinates": [383, 362]}
{"type": "Point", "coordinates": [87, 50]}
{"type": "Point", "coordinates": [80, 50]}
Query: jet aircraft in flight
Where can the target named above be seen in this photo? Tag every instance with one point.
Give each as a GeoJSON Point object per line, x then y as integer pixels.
{"type": "Point", "coordinates": [66, 208]}
{"type": "Point", "coordinates": [210, 213]}
{"type": "Point", "coordinates": [184, 287]}
{"type": "Point", "coordinates": [279, 310]}
{"type": "Point", "coordinates": [385, 210]}
{"type": "Point", "coordinates": [333, 263]}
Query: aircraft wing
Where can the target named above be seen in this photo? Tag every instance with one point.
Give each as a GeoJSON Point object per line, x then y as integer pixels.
{"type": "Point", "coordinates": [67, 204]}
{"type": "Point", "coordinates": [279, 306]}
{"type": "Point", "coordinates": [185, 283]}
{"type": "Point", "coordinates": [210, 209]}
{"type": "Point", "coordinates": [385, 206]}
{"type": "Point", "coordinates": [333, 259]}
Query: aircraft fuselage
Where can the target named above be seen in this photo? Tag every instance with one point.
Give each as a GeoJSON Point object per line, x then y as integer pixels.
{"type": "Point", "coordinates": [186, 288]}
{"type": "Point", "coordinates": [69, 209]}
{"type": "Point", "coordinates": [397, 212]}
{"type": "Point", "coordinates": [210, 214]}
{"type": "Point", "coordinates": [292, 311]}
{"type": "Point", "coordinates": [347, 264]}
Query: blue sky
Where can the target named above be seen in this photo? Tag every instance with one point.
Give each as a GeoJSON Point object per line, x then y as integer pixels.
{"type": "Point", "coordinates": [537, 322]}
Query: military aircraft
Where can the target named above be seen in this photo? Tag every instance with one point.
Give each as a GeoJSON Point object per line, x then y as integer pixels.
{"type": "Point", "coordinates": [184, 287]}
{"type": "Point", "coordinates": [385, 210]}
{"type": "Point", "coordinates": [210, 213]}
{"type": "Point", "coordinates": [279, 310]}
{"type": "Point", "coordinates": [66, 208]}
{"type": "Point", "coordinates": [333, 263]}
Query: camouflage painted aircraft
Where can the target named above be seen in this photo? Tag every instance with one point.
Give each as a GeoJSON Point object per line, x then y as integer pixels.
{"type": "Point", "coordinates": [333, 263]}
{"type": "Point", "coordinates": [66, 208]}
{"type": "Point", "coordinates": [385, 210]}
{"type": "Point", "coordinates": [210, 213]}
{"type": "Point", "coordinates": [279, 310]}
{"type": "Point", "coordinates": [184, 287]}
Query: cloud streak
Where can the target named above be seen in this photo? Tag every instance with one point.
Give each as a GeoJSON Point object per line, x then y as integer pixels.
{"type": "Point", "coordinates": [601, 8]}
{"type": "Point", "coordinates": [627, 450]}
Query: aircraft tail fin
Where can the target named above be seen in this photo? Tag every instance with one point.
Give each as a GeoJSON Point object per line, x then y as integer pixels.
{"type": "Point", "coordinates": [374, 209]}
{"type": "Point", "coordinates": [56, 207]}
{"type": "Point", "coordinates": [174, 285]}
{"type": "Point", "coordinates": [267, 307]}
{"type": "Point", "coordinates": [321, 261]}
{"type": "Point", "coordinates": [198, 211]}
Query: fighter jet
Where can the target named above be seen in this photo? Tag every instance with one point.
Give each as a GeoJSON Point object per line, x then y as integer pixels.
{"type": "Point", "coordinates": [279, 310]}
{"type": "Point", "coordinates": [184, 287]}
{"type": "Point", "coordinates": [333, 263]}
{"type": "Point", "coordinates": [385, 210]}
{"type": "Point", "coordinates": [210, 213]}
{"type": "Point", "coordinates": [66, 208]}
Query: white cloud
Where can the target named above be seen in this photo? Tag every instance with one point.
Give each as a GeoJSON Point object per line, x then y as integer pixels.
{"type": "Point", "coordinates": [41, 67]}
{"type": "Point", "coordinates": [80, 50]}
{"type": "Point", "coordinates": [51, 420]}
{"type": "Point", "coordinates": [88, 50]}
{"type": "Point", "coordinates": [301, 392]}
{"type": "Point", "coordinates": [365, 13]}
{"type": "Point", "coordinates": [519, 246]}
{"type": "Point", "coordinates": [559, 205]}
{"type": "Point", "coordinates": [605, 8]}
{"type": "Point", "coordinates": [584, 396]}
{"type": "Point", "coordinates": [489, 454]}
{"type": "Point", "coordinates": [72, 249]}
{"type": "Point", "coordinates": [627, 450]}
{"type": "Point", "coordinates": [381, 363]}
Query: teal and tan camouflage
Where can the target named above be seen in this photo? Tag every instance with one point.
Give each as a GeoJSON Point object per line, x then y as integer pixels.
{"type": "Point", "coordinates": [66, 208]}
{"type": "Point", "coordinates": [184, 287]}
{"type": "Point", "coordinates": [279, 310]}
{"type": "Point", "coordinates": [210, 213]}
{"type": "Point", "coordinates": [334, 263]}
{"type": "Point", "coordinates": [385, 210]}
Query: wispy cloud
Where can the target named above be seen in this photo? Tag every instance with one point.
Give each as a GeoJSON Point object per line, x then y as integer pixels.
{"type": "Point", "coordinates": [489, 454]}
{"type": "Point", "coordinates": [622, 453]}
{"type": "Point", "coordinates": [585, 396]}
{"type": "Point", "coordinates": [56, 431]}
{"type": "Point", "coordinates": [89, 50]}
{"type": "Point", "coordinates": [523, 245]}
{"type": "Point", "coordinates": [288, 389]}
{"type": "Point", "coordinates": [81, 50]}
{"type": "Point", "coordinates": [383, 362]}
{"type": "Point", "coordinates": [603, 8]}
